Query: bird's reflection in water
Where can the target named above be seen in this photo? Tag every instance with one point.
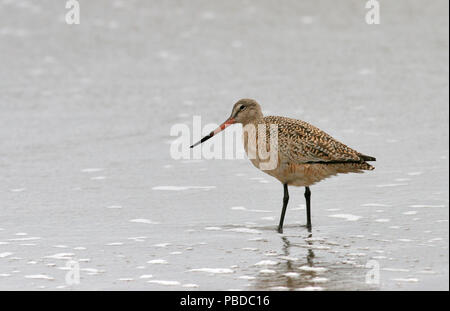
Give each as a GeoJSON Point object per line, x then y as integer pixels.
{"type": "Point", "coordinates": [300, 268]}
{"type": "Point", "coordinates": [291, 273]}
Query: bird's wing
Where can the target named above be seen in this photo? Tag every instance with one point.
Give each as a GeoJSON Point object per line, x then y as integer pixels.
{"type": "Point", "coordinates": [301, 143]}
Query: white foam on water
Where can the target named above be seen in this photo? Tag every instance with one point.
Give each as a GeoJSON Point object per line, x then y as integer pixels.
{"type": "Point", "coordinates": [79, 248]}
{"type": "Point", "coordinates": [25, 239]}
{"type": "Point", "coordinates": [395, 269]}
{"type": "Point", "coordinates": [288, 258]}
{"type": "Point", "coordinates": [245, 230]}
{"type": "Point", "coordinates": [357, 254]}
{"type": "Point", "coordinates": [259, 211]}
{"type": "Point", "coordinates": [435, 240]}
{"type": "Point", "coordinates": [427, 272]}
{"type": "Point", "coordinates": [313, 269]}
{"type": "Point", "coordinates": [18, 190]}
{"type": "Point", "coordinates": [161, 244]}
{"type": "Point", "coordinates": [180, 188]}
{"type": "Point", "coordinates": [175, 253]}
{"type": "Point", "coordinates": [158, 261]}
{"type": "Point", "coordinates": [39, 277]}
{"type": "Point", "coordinates": [213, 270]}
{"type": "Point", "coordinates": [138, 238]}
{"type": "Point", "coordinates": [415, 173]}
{"type": "Point", "coordinates": [61, 256]}
{"type": "Point", "coordinates": [90, 271]}
{"type": "Point", "coordinates": [114, 244]}
{"type": "Point", "coordinates": [60, 246]}
{"type": "Point", "coordinates": [21, 233]}
{"type": "Point", "coordinates": [391, 185]}
{"type": "Point", "coordinates": [213, 228]}
{"type": "Point", "coordinates": [189, 285]}
{"type": "Point", "coordinates": [382, 220]}
{"type": "Point", "coordinates": [293, 275]}
{"type": "Point", "coordinates": [4, 243]}
{"type": "Point", "coordinates": [348, 217]}
{"type": "Point", "coordinates": [5, 254]}
{"type": "Point", "coordinates": [310, 288]}
{"type": "Point", "coordinates": [5, 274]}
{"type": "Point", "coordinates": [279, 288]}
{"type": "Point", "coordinates": [406, 280]}
{"type": "Point", "coordinates": [266, 263]}
{"type": "Point", "coordinates": [246, 277]}
{"type": "Point", "coordinates": [91, 170]}
{"type": "Point", "coordinates": [268, 218]}
{"type": "Point", "coordinates": [267, 271]}
{"type": "Point", "coordinates": [333, 209]}
{"type": "Point", "coordinates": [423, 205]}
{"type": "Point", "coordinates": [404, 240]}
{"type": "Point", "coordinates": [254, 249]}
{"type": "Point", "coordinates": [238, 208]}
{"type": "Point", "coordinates": [319, 280]}
{"type": "Point", "coordinates": [410, 213]}
{"type": "Point", "coordinates": [146, 276]}
{"type": "Point", "coordinates": [163, 282]}
{"type": "Point", "coordinates": [144, 221]}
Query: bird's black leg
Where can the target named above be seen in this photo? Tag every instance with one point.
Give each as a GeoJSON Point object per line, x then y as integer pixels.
{"type": "Point", "coordinates": [308, 207]}
{"type": "Point", "coordinates": [283, 211]}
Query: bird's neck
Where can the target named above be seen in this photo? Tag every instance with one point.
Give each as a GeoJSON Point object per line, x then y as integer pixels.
{"type": "Point", "coordinates": [258, 119]}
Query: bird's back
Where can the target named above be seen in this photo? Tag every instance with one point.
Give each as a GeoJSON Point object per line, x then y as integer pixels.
{"type": "Point", "coordinates": [304, 143]}
{"type": "Point", "coordinates": [308, 155]}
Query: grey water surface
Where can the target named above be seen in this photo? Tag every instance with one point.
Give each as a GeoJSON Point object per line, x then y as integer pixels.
{"type": "Point", "coordinates": [87, 179]}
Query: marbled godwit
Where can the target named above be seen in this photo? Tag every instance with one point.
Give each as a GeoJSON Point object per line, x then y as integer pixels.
{"type": "Point", "coordinates": [305, 154]}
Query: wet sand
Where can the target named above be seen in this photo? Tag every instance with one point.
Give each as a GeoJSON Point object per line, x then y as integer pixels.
{"type": "Point", "coordinates": [86, 172]}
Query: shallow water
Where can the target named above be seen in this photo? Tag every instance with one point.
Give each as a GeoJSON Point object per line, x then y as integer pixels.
{"type": "Point", "coordinates": [86, 172]}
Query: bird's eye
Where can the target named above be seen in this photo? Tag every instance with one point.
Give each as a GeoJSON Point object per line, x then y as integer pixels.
{"type": "Point", "coordinates": [242, 108]}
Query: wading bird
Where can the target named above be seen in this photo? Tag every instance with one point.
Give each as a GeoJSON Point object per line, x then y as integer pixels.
{"type": "Point", "coordinates": [305, 154]}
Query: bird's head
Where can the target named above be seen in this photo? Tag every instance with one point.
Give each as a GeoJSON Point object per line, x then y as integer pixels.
{"type": "Point", "coordinates": [244, 111]}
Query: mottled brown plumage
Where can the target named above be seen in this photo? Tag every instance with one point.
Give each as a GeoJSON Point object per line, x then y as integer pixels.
{"type": "Point", "coordinates": [305, 154]}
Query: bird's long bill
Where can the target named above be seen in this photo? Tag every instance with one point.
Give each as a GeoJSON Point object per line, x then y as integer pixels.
{"type": "Point", "coordinates": [223, 126]}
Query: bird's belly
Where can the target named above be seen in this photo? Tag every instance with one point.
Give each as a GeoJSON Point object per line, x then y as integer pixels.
{"type": "Point", "coordinates": [300, 175]}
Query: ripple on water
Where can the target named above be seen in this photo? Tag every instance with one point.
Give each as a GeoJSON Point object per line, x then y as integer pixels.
{"type": "Point", "coordinates": [144, 221]}
{"type": "Point", "coordinates": [158, 261]}
{"type": "Point", "coordinates": [348, 217]}
{"type": "Point", "coordinates": [266, 263]}
{"type": "Point", "coordinates": [245, 230]}
{"type": "Point", "coordinates": [164, 282]}
{"type": "Point", "coordinates": [213, 270]}
{"type": "Point", "coordinates": [39, 277]}
{"type": "Point", "coordinates": [183, 188]}
{"type": "Point", "coordinates": [313, 269]}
